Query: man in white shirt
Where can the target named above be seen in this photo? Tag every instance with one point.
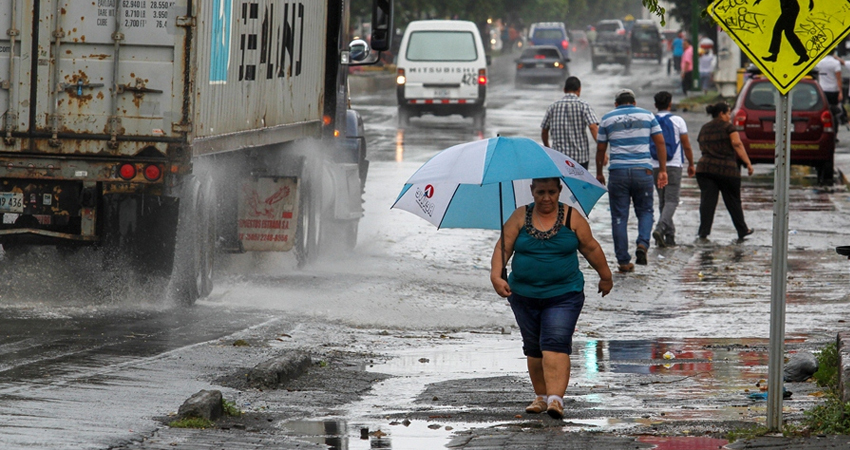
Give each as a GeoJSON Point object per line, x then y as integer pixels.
{"type": "Point", "coordinates": [680, 148]}
{"type": "Point", "coordinates": [829, 78]}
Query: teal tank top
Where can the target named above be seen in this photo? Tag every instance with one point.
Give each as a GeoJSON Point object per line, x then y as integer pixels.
{"type": "Point", "coordinates": [545, 267]}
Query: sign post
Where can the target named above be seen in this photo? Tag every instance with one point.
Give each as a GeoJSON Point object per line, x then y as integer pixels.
{"type": "Point", "coordinates": [785, 41]}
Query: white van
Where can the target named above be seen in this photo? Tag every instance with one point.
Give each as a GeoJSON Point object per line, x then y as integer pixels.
{"type": "Point", "coordinates": [442, 70]}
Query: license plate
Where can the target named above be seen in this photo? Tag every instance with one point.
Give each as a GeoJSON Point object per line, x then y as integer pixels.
{"type": "Point", "coordinates": [11, 202]}
{"type": "Point", "coordinates": [540, 65]}
{"type": "Point", "coordinates": [441, 93]}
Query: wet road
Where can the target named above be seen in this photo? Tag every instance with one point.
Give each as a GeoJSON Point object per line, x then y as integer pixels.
{"type": "Point", "coordinates": [99, 363]}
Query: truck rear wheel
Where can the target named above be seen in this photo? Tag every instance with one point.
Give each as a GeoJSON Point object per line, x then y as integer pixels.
{"type": "Point", "coordinates": [307, 235]}
{"type": "Point", "coordinates": [195, 252]}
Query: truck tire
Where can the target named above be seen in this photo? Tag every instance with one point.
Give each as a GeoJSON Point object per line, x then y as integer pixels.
{"type": "Point", "coordinates": [196, 236]}
{"type": "Point", "coordinates": [308, 233]}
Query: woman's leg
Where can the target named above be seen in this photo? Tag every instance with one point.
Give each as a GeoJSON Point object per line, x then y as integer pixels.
{"type": "Point", "coordinates": [730, 188]}
{"type": "Point", "coordinates": [708, 190]}
{"type": "Point", "coordinates": [557, 325]}
{"type": "Point", "coordinates": [556, 373]}
{"type": "Point", "coordinates": [528, 319]}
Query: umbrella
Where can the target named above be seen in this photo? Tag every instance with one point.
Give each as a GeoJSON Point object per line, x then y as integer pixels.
{"type": "Point", "coordinates": [479, 184]}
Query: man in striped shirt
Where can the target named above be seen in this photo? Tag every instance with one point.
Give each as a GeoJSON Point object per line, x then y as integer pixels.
{"type": "Point", "coordinates": [565, 122]}
{"type": "Point", "coordinates": [628, 130]}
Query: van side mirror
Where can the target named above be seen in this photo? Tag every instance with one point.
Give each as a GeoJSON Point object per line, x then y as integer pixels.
{"type": "Point", "coordinates": [382, 25]}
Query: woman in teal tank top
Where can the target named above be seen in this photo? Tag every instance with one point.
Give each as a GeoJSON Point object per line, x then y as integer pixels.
{"type": "Point", "coordinates": [546, 286]}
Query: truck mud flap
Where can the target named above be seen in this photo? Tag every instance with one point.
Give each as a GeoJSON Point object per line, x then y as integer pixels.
{"type": "Point", "coordinates": [268, 213]}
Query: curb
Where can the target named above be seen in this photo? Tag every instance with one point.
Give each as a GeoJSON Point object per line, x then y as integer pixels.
{"type": "Point", "coordinates": [275, 372]}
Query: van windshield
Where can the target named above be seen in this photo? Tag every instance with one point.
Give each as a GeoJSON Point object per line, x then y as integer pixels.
{"type": "Point", "coordinates": [441, 46]}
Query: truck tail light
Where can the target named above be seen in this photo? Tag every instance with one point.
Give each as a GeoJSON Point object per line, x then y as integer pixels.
{"type": "Point", "coordinates": [621, 32]}
{"type": "Point", "coordinates": [327, 120]}
{"type": "Point", "coordinates": [152, 172]}
{"type": "Point", "coordinates": [826, 119]}
{"type": "Point", "coordinates": [127, 171]}
{"type": "Point", "coordinates": [400, 79]}
{"type": "Point", "coordinates": [740, 120]}
{"type": "Point", "coordinates": [519, 65]}
{"type": "Point", "coordinates": [482, 76]}
{"type": "Point", "coordinates": [565, 44]}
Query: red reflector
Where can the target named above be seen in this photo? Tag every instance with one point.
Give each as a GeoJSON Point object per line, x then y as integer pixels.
{"type": "Point", "coordinates": [429, 101]}
{"type": "Point", "coordinates": [127, 171]}
{"type": "Point", "coordinates": [152, 172]}
{"type": "Point", "coordinates": [463, 100]}
{"type": "Point", "coordinates": [445, 101]}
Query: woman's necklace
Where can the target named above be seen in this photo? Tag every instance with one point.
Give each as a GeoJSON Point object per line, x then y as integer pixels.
{"type": "Point", "coordinates": [548, 234]}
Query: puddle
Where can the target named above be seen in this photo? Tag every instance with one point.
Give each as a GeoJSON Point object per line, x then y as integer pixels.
{"type": "Point", "coordinates": [343, 435]}
{"type": "Point", "coordinates": [683, 443]}
{"type": "Point", "coordinates": [677, 380]}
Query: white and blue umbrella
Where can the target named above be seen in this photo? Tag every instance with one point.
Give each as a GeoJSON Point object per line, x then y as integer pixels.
{"type": "Point", "coordinates": [479, 184]}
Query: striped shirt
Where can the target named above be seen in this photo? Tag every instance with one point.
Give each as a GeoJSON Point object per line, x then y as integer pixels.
{"type": "Point", "coordinates": [627, 130]}
{"type": "Point", "coordinates": [567, 121]}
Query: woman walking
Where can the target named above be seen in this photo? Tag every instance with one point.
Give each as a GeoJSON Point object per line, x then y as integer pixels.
{"type": "Point", "coordinates": [546, 286]}
{"type": "Point", "coordinates": [718, 170]}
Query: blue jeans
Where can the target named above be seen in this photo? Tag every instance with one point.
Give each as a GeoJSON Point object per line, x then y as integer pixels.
{"type": "Point", "coordinates": [547, 323]}
{"type": "Point", "coordinates": [627, 186]}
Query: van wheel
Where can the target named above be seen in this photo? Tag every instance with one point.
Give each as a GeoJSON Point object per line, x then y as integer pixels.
{"type": "Point", "coordinates": [403, 117]}
{"type": "Point", "coordinates": [478, 119]}
{"type": "Point", "coordinates": [826, 173]}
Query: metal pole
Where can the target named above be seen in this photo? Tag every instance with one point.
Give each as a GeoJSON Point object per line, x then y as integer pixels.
{"type": "Point", "coordinates": [779, 268]}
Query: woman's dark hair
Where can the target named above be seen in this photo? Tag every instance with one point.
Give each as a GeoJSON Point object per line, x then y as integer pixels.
{"type": "Point", "coordinates": [717, 109]}
{"type": "Point", "coordinates": [546, 180]}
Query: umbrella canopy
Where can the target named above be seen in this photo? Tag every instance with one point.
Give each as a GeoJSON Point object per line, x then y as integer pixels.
{"type": "Point", "coordinates": [479, 184]}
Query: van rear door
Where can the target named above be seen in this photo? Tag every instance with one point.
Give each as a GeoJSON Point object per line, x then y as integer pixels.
{"type": "Point", "coordinates": [442, 64]}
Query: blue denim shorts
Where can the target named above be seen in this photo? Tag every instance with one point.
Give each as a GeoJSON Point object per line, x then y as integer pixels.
{"type": "Point", "coordinates": [547, 323]}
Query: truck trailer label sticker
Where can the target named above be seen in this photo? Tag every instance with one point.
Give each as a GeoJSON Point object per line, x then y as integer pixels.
{"type": "Point", "coordinates": [268, 214]}
{"type": "Point", "coordinates": [220, 48]}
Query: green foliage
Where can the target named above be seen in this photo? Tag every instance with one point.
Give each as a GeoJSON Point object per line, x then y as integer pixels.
{"type": "Point", "coordinates": [191, 422]}
{"type": "Point", "coordinates": [828, 362]}
{"type": "Point", "coordinates": [230, 408]}
{"type": "Point", "coordinates": [747, 433]}
{"type": "Point", "coordinates": [655, 8]}
{"type": "Point", "coordinates": [831, 417]}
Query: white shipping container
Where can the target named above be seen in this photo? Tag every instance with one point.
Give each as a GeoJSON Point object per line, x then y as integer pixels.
{"type": "Point", "coordinates": [119, 70]}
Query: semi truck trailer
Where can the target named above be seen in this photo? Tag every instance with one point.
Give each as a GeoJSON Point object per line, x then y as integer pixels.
{"type": "Point", "coordinates": [161, 133]}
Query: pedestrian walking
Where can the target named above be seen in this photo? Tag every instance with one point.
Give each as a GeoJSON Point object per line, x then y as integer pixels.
{"type": "Point", "coordinates": [678, 49]}
{"type": "Point", "coordinates": [829, 78]}
{"type": "Point", "coordinates": [687, 68]}
{"type": "Point", "coordinates": [718, 170]}
{"type": "Point", "coordinates": [707, 64]}
{"type": "Point", "coordinates": [628, 130]}
{"type": "Point", "coordinates": [678, 148]}
{"type": "Point", "coordinates": [546, 287]}
{"type": "Point", "coordinates": [565, 122]}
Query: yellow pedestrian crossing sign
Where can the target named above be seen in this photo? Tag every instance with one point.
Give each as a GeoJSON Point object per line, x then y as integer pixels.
{"type": "Point", "coordinates": [784, 38]}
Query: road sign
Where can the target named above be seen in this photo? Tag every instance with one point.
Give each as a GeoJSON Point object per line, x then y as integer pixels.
{"type": "Point", "coordinates": [784, 38]}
